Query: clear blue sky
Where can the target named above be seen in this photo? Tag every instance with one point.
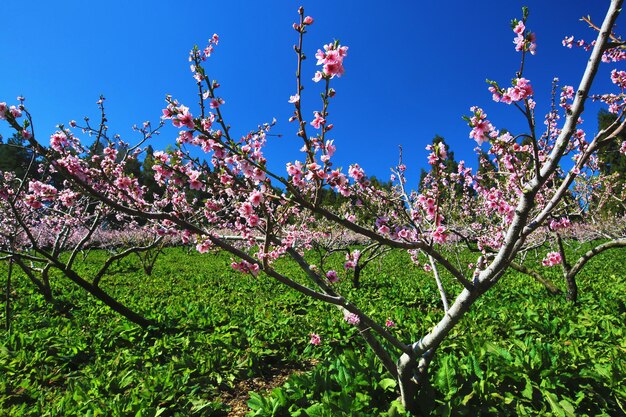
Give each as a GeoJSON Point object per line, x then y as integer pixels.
{"type": "Point", "coordinates": [413, 69]}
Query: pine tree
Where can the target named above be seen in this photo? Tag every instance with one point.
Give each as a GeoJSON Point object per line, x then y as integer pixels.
{"type": "Point", "coordinates": [611, 161]}
{"type": "Point", "coordinates": [16, 157]}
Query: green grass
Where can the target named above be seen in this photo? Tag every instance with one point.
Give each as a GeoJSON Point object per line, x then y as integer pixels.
{"type": "Point", "coordinates": [518, 352]}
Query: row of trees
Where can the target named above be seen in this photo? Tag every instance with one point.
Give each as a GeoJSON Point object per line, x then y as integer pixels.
{"type": "Point", "coordinates": [522, 196]}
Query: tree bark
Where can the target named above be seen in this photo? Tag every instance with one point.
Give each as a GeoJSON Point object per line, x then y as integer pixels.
{"type": "Point", "coordinates": [549, 285]}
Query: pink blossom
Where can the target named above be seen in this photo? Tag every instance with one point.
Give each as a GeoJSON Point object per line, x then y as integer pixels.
{"type": "Point", "coordinates": [31, 201]}
{"type": "Point", "coordinates": [308, 20]}
{"type": "Point", "coordinates": [207, 122]}
{"type": "Point", "coordinates": [45, 192]}
{"type": "Point", "coordinates": [58, 140]}
{"type": "Point", "coordinates": [439, 235]}
{"type": "Point", "coordinates": [563, 223]}
{"type": "Point", "coordinates": [552, 258]}
{"type": "Point", "coordinates": [384, 229]}
{"type": "Point", "coordinates": [246, 267]}
{"type": "Point", "coordinates": [256, 198]}
{"type": "Point", "coordinates": [294, 169]}
{"type": "Point", "coordinates": [123, 182]}
{"type": "Point", "coordinates": [252, 220]}
{"type": "Point", "coordinates": [315, 339]}
{"type": "Point", "coordinates": [183, 118]}
{"type": "Point", "coordinates": [246, 209]}
{"type": "Point", "coordinates": [15, 112]}
{"type": "Point", "coordinates": [495, 93]}
{"type": "Point", "coordinates": [318, 76]}
{"type": "Point", "coordinates": [67, 197]}
{"type": "Point", "coordinates": [352, 259]}
{"type": "Point", "coordinates": [203, 245]}
{"type": "Point", "coordinates": [390, 323]}
{"type": "Point", "coordinates": [351, 318]}
{"type": "Point", "coordinates": [356, 172]}
{"type": "Point", "coordinates": [332, 276]}
{"type": "Point", "coordinates": [521, 90]}
{"type": "Point", "coordinates": [258, 174]}
{"type": "Point", "coordinates": [481, 127]}
{"type": "Point", "coordinates": [216, 102]}
{"type": "Point", "coordinates": [568, 41]}
{"type": "Point", "coordinates": [318, 121]}
{"type": "Point", "coordinates": [294, 99]}
{"type": "Point", "coordinates": [194, 181]}
{"type": "Point", "coordinates": [524, 43]}
{"type": "Point", "coordinates": [332, 61]}
{"type": "Point", "coordinates": [619, 78]}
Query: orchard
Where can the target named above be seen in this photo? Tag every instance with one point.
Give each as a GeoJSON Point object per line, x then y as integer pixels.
{"type": "Point", "coordinates": [394, 297]}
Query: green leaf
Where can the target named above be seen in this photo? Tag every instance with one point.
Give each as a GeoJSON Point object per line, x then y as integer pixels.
{"type": "Point", "coordinates": [388, 384]}
{"type": "Point", "coordinates": [528, 389]}
{"type": "Point", "coordinates": [256, 402]}
{"type": "Point", "coordinates": [446, 377]}
{"type": "Point", "coordinates": [554, 405]}
{"type": "Point", "coordinates": [568, 408]}
{"type": "Point", "coordinates": [316, 410]}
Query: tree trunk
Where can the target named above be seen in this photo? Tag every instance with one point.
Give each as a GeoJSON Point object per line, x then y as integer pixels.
{"type": "Point", "coordinates": [549, 285]}
{"type": "Point", "coordinates": [356, 278]}
{"type": "Point", "coordinates": [572, 287]}
{"type": "Point", "coordinates": [7, 301]}
{"type": "Point", "coordinates": [108, 300]}
{"type": "Point", "coordinates": [407, 383]}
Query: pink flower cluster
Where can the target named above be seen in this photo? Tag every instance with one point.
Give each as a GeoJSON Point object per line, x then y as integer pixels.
{"type": "Point", "coordinates": [16, 112]}
{"type": "Point", "coordinates": [482, 129]}
{"type": "Point", "coordinates": [331, 59]}
{"type": "Point", "coordinates": [356, 172]}
{"type": "Point", "coordinates": [246, 267]}
{"type": "Point", "coordinates": [551, 259]}
{"type": "Point", "coordinates": [496, 202]}
{"type": "Point", "coordinates": [567, 93]}
{"type": "Point", "coordinates": [332, 276]}
{"type": "Point", "coordinates": [180, 115]}
{"type": "Point", "coordinates": [315, 339]}
{"type": "Point", "coordinates": [351, 318]}
{"type": "Point", "coordinates": [524, 41]}
{"type": "Point", "coordinates": [520, 90]}
{"type": "Point", "coordinates": [305, 22]}
{"type": "Point", "coordinates": [439, 235]}
{"type": "Point", "coordinates": [58, 141]}
{"type": "Point", "coordinates": [619, 78]}
{"type": "Point", "coordinates": [39, 192]}
{"type": "Point", "coordinates": [203, 245]}
{"type": "Point", "coordinates": [561, 224]}
{"type": "Point", "coordinates": [319, 120]}
{"type": "Point", "coordinates": [352, 259]}
{"type": "Point", "coordinates": [209, 48]}
{"type": "Point", "coordinates": [428, 204]}
{"type": "Point", "coordinates": [569, 41]}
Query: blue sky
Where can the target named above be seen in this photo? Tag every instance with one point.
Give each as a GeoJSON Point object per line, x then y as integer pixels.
{"type": "Point", "coordinates": [413, 68]}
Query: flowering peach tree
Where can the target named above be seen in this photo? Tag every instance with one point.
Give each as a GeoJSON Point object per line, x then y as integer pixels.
{"type": "Point", "coordinates": [235, 203]}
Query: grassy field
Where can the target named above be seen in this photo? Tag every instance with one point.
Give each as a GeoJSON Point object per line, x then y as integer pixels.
{"type": "Point", "coordinates": [223, 334]}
